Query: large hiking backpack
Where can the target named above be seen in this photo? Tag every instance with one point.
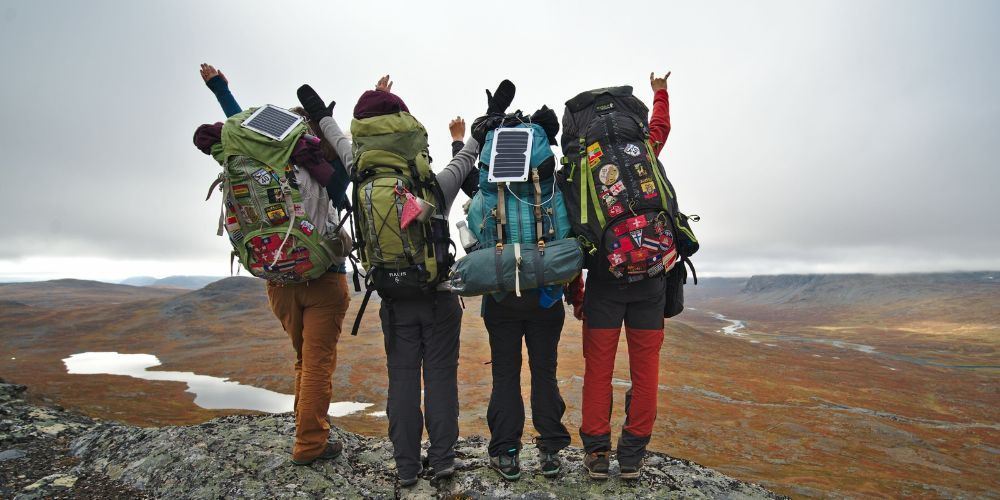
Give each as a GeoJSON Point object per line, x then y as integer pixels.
{"type": "Point", "coordinates": [264, 214]}
{"type": "Point", "coordinates": [619, 199]}
{"type": "Point", "coordinates": [521, 227]}
{"type": "Point", "coordinates": [390, 161]}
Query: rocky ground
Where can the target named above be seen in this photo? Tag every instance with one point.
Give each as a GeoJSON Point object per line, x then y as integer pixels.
{"type": "Point", "coordinates": [51, 453]}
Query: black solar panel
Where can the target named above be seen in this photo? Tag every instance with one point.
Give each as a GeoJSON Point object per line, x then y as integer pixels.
{"type": "Point", "coordinates": [510, 156]}
{"type": "Point", "coordinates": [272, 121]}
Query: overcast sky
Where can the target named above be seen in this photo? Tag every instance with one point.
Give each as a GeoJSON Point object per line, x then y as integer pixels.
{"type": "Point", "coordinates": [810, 136]}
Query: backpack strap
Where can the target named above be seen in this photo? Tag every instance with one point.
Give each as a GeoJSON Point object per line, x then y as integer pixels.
{"type": "Point", "coordinates": [361, 311]}
{"type": "Point", "coordinates": [501, 212]}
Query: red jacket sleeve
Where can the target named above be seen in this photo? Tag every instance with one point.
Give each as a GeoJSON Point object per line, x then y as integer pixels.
{"type": "Point", "coordinates": [659, 124]}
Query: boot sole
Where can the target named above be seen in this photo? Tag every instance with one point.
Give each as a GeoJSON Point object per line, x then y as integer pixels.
{"type": "Point", "coordinates": [629, 475]}
{"type": "Point", "coordinates": [552, 473]}
{"type": "Point", "coordinates": [597, 475]}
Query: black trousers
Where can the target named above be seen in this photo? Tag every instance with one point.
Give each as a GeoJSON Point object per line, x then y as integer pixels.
{"type": "Point", "coordinates": [422, 335]}
{"type": "Point", "coordinates": [508, 322]}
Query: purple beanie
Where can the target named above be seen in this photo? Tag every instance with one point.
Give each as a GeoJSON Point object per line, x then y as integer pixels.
{"type": "Point", "coordinates": [377, 103]}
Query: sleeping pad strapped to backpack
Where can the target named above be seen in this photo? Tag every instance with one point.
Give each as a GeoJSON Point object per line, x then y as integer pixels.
{"type": "Point", "coordinates": [271, 234]}
{"type": "Point", "coordinates": [522, 227]}
{"type": "Point", "coordinates": [617, 194]}
{"type": "Point", "coordinates": [392, 165]}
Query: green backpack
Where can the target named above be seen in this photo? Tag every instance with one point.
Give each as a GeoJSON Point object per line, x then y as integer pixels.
{"type": "Point", "coordinates": [391, 161]}
{"type": "Point", "coordinates": [263, 212]}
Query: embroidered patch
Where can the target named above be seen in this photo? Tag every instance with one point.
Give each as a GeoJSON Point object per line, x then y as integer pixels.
{"type": "Point", "coordinates": [616, 210]}
{"type": "Point", "coordinates": [620, 229]}
{"type": "Point", "coordinates": [640, 170]}
{"type": "Point", "coordinates": [241, 190]}
{"type": "Point", "coordinates": [307, 227]}
{"type": "Point", "coordinates": [637, 222]}
{"type": "Point", "coordinates": [263, 177]}
{"type": "Point", "coordinates": [636, 236]}
{"type": "Point", "coordinates": [616, 259]}
{"type": "Point", "coordinates": [608, 174]}
{"type": "Point", "coordinates": [623, 245]}
{"type": "Point", "coordinates": [594, 154]}
{"type": "Point", "coordinates": [249, 214]}
{"type": "Point", "coordinates": [299, 211]}
{"type": "Point", "coordinates": [638, 255]}
{"type": "Point", "coordinates": [605, 107]}
{"type": "Point", "coordinates": [274, 195]}
{"type": "Point", "coordinates": [648, 189]}
{"type": "Point", "coordinates": [276, 215]}
{"type": "Point", "coordinates": [617, 188]}
{"type": "Point", "coordinates": [632, 150]}
{"type": "Point", "coordinates": [236, 236]}
{"type": "Point", "coordinates": [656, 269]}
{"type": "Point", "coordinates": [608, 198]}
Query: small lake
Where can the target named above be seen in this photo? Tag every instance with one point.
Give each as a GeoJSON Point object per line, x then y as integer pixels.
{"type": "Point", "coordinates": [212, 393]}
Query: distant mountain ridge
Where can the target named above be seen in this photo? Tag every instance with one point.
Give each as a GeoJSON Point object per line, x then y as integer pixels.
{"type": "Point", "coordinates": [188, 282]}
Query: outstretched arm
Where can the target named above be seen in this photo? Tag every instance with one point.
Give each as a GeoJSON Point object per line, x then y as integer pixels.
{"type": "Point", "coordinates": [457, 129]}
{"type": "Point", "coordinates": [219, 85]}
{"type": "Point", "coordinates": [451, 178]}
{"type": "Point", "coordinates": [659, 123]}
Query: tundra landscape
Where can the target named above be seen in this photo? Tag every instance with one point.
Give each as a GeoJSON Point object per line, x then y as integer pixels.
{"type": "Point", "coordinates": [811, 385]}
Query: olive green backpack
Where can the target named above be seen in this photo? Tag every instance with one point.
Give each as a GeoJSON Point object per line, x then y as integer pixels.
{"type": "Point", "coordinates": [390, 161]}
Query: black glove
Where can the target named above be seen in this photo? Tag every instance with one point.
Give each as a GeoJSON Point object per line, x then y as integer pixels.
{"type": "Point", "coordinates": [547, 119]}
{"type": "Point", "coordinates": [313, 105]}
{"type": "Point", "coordinates": [499, 101]}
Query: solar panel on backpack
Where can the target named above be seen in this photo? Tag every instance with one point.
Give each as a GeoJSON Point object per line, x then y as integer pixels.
{"type": "Point", "coordinates": [511, 155]}
{"type": "Point", "coordinates": [272, 121]}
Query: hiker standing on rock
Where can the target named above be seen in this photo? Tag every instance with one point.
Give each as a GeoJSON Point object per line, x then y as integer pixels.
{"type": "Point", "coordinates": [624, 209]}
{"type": "Point", "coordinates": [311, 312]}
{"type": "Point", "coordinates": [528, 214]}
{"type": "Point", "coordinates": [401, 224]}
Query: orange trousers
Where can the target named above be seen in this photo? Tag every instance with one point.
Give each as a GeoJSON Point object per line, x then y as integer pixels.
{"type": "Point", "coordinates": [312, 314]}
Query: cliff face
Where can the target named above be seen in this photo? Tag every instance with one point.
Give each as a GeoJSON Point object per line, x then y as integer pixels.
{"type": "Point", "coordinates": [48, 452]}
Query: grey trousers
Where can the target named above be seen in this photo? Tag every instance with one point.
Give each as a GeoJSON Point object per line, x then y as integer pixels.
{"type": "Point", "coordinates": [422, 335]}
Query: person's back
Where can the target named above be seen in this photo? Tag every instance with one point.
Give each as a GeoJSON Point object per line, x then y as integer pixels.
{"type": "Point", "coordinates": [622, 204]}
{"type": "Point", "coordinates": [311, 312]}
{"type": "Point", "coordinates": [421, 329]}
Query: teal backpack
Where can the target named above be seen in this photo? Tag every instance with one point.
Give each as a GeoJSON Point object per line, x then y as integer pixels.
{"type": "Point", "coordinates": [522, 229]}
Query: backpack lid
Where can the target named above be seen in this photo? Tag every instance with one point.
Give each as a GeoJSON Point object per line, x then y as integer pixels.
{"type": "Point", "coordinates": [237, 140]}
{"type": "Point", "coordinates": [586, 98]}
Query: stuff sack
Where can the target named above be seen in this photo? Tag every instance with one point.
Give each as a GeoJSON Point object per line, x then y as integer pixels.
{"type": "Point", "coordinates": [619, 200]}
{"type": "Point", "coordinates": [264, 214]}
{"type": "Point", "coordinates": [517, 267]}
{"type": "Point", "coordinates": [400, 228]}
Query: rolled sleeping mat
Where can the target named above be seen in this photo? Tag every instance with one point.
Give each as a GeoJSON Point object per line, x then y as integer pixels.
{"type": "Point", "coordinates": [485, 271]}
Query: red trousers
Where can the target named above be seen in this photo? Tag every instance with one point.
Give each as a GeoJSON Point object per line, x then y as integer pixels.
{"type": "Point", "coordinates": [640, 307]}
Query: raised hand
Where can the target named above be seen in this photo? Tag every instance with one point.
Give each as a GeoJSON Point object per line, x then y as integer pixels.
{"type": "Point", "coordinates": [658, 83]}
{"type": "Point", "coordinates": [457, 128]}
{"type": "Point", "coordinates": [208, 72]}
{"type": "Point", "coordinates": [384, 84]}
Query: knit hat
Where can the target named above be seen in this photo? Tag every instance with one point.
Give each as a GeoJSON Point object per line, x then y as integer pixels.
{"type": "Point", "coordinates": [377, 103]}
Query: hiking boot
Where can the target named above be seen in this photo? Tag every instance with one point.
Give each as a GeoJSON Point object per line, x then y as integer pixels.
{"type": "Point", "coordinates": [596, 464]}
{"type": "Point", "coordinates": [406, 482]}
{"type": "Point", "coordinates": [507, 465]}
{"type": "Point", "coordinates": [630, 471]}
{"type": "Point", "coordinates": [332, 451]}
{"type": "Point", "coordinates": [550, 463]}
{"type": "Point", "coordinates": [445, 473]}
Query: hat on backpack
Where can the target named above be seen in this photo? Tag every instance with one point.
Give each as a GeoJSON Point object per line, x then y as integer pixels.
{"type": "Point", "coordinates": [378, 103]}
